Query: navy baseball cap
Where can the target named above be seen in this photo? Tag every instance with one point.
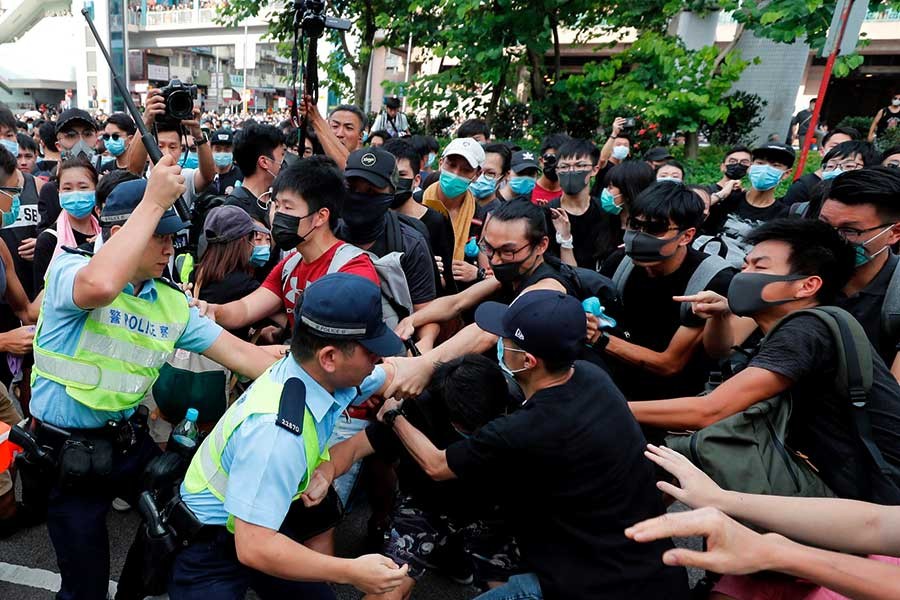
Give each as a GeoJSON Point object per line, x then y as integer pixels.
{"type": "Point", "coordinates": [543, 322]}
{"type": "Point", "coordinates": [375, 165]}
{"type": "Point", "coordinates": [343, 306]}
{"type": "Point", "coordinates": [124, 199]}
{"type": "Point", "coordinates": [75, 115]}
{"type": "Point", "coordinates": [780, 152]}
{"type": "Point", "coordinates": [522, 161]}
{"type": "Point", "coordinates": [222, 137]}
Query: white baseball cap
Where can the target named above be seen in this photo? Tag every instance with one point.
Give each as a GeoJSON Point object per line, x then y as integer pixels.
{"type": "Point", "coordinates": [468, 148]}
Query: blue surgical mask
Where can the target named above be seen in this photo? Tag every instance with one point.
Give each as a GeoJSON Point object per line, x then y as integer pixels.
{"type": "Point", "coordinates": [500, 351]}
{"type": "Point", "coordinates": [223, 159]}
{"type": "Point", "coordinates": [608, 202]}
{"type": "Point", "coordinates": [620, 152]}
{"type": "Point", "coordinates": [827, 175]}
{"type": "Point", "coordinates": [11, 146]}
{"type": "Point", "coordinates": [483, 187]}
{"type": "Point", "coordinates": [115, 147]}
{"type": "Point", "coordinates": [192, 161]}
{"type": "Point", "coordinates": [675, 179]}
{"type": "Point", "coordinates": [78, 204]}
{"type": "Point", "coordinates": [764, 177]}
{"type": "Point", "coordinates": [521, 186]}
{"type": "Point", "coordinates": [12, 216]}
{"type": "Point", "coordinates": [452, 184]}
{"type": "Point", "coordinates": [260, 255]}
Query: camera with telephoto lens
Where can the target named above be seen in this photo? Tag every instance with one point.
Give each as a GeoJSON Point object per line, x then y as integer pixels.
{"type": "Point", "coordinates": [179, 100]}
{"type": "Point", "coordinates": [311, 18]}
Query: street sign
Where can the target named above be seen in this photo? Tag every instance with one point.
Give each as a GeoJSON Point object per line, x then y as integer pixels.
{"type": "Point", "coordinates": [851, 33]}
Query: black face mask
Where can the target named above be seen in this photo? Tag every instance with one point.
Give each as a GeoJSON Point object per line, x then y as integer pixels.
{"type": "Point", "coordinates": [550, 167]}
{"type": "Point", "coordinates": [746, 289]}
{"type": "Point", "coordinates": [365, 216]}
{"type": "Point", "coordinates": [403, 192]}
{"type": "Point", "coordinates": [284, 231]}
{"type": "Point", "coordinates": [508, 274]}
{"type": "Point", "coordinates": [644, 247]}
{"type": "Point", "coordinates": [736, 171]}
{"type": "Point", "coordinates": [572, 183]}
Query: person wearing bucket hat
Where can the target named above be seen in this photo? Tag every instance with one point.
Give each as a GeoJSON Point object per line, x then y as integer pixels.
{"type": "Point", "coordinates": [275, 438]}
{"type": "Point", "coordinates": [576, 437]}
{"type": "Point", "coordinates": [108, 324]}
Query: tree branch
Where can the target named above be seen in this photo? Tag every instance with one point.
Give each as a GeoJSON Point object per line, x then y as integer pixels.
{"type": "Point", "coordinates": [728, 48]}
{"type": "Point", "coordinates": [353, 62]}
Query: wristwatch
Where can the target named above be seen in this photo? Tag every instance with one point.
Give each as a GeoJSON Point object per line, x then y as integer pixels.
{"type": "Point", "coordinates": [391, 416]}
{"type": "Point", "coordinates": [602, 341]}
{"type": "Point", "coordinates": [481, 274]}
{"type": "Point", "coordinates": [203, 139]}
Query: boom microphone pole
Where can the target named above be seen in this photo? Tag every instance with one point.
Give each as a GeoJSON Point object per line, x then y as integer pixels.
{"type": "Point", "coordinates": [147, 138]}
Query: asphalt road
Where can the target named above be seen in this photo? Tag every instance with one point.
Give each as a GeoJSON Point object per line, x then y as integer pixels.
{"type": "Point", "coordinates": [32, 549]}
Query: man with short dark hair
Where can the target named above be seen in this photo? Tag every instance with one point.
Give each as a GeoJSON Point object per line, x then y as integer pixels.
{"type": "Point", "coordinates": [117, 135]}
{"type": "Point", "coordinates": [800, 124]}
{"type": "Point", "coordinates": [862, 205]}
{"type": "Point", "coordinates": [615, 150]}
{"type": "Point", "coordinates": [28, 153]}
{"type": "Point", "coordinates": [795, 264]}
{"type": "Point", "coordinates": [339, 135]}
{"type": "Point", "coordinates": [804, 188]}
{"type": "Point", "coordinates": [476, 129]}
{"type": "Point", "coordinates": [392, 121]}
{"type": "Point", "coordinates": [259, 153]}
{"type": "Point", "coordinates": [547, 188]}
{"type": "Point", "coordinates": [493, 180]}
{"type": "Point", "coordinates": [47, 137]}
{"type": "Point", "coordinates": [658, 265]}
{"type": "Point", "coordinates": [575, 440]}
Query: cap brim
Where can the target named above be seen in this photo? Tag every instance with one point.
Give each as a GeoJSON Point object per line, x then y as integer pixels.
{"type": "Point", "coordinates": [61, 126]}
{"type": "Point", "coordinates": [524, 166]}
{"type": "Point", "coordinates": [373, 178]}
{"type": "Point", "coordinates": [489, 317]}
{"type": "Point", "coordinates": [257, 227]}
{"type": "Point", "coordinates": [473, 162]}
{"type": "Point", "coordinates": [782, 156]}
{"type": "Point", "coordinates": [170, 223]}
{"type": "Point", "coordinates": [385, 343]}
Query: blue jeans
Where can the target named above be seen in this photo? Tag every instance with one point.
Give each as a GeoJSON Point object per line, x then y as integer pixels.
{"type": "Point", "coordinates": [519, 587]}
{"type": "Point", "coordinates": [344, 430]}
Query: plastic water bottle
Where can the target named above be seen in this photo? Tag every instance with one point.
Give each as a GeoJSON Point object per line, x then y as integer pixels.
{"type": "Point", "coordinates": [186, 434]}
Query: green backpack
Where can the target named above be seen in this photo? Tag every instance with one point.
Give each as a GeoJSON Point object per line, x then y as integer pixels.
{"type": "Point", "coordinates": [746, 452]}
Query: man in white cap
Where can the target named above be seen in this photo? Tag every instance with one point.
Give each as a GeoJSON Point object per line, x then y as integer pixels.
{"type": "Point", "coordinates": [460, 165]}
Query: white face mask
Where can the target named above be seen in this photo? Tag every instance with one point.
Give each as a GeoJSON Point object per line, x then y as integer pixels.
{"type": "Point", "coordinates": [895, 102]}
{"type": "Point", "coordinates": [620, 152]}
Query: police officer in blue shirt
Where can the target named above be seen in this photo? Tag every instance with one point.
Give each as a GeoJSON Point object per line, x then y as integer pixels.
{"type": "Point", "coordinates": [262, 455]}
{"type": "Point", "coordinates": [107, 324]}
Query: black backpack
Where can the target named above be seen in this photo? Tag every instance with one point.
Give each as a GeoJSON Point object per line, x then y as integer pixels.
{"type": "Point", "coordinates": [202, 205]}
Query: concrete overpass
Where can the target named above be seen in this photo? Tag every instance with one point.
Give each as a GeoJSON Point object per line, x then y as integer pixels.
{"type": "Point", "coordinates": [193, 26]}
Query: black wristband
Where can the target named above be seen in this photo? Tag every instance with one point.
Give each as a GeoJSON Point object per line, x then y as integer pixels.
{"type": "Point", "coordinates": [391, 416]}
{"type": "Point", "coordinates": [481, 275]}
{"type": "Point", "coordinates": [602, 341]}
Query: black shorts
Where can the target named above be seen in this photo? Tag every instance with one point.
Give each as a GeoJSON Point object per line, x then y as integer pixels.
{"type": "Point", "coordinates": [302, 523]}
{"type": "Point", "coordinates": [422, 539]}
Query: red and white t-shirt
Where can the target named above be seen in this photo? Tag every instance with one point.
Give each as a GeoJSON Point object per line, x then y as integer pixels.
{"type": "Point", "coordinates": [543, 196]}
{"type": "Point", "coordinates": [305, 273]}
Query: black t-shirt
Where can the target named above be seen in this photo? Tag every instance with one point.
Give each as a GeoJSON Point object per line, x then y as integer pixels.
{"type": "Point", "coordinates": [24, 227]}
{"type": "Point", "coordinates": [223, 183]}
{"type": "Point", "coordinates": [587, 228]}
{"type": "Point", "coordinates": [734, 217]}
{"type": "Point", "coordinates": [821, 423]}
{"type": "Point", "coordinates": [802, 190]}
{"type": "Point", "coordinates": [652, 318]}
{"type": "Point", "coordinates": [48, 205]}
{"type": "Point", "coordinates": [801, 120]}
{"type": "Point", "coordinates": [244, 199]}
{"type": "Point", "coordinates": [570, 467]}
{"type": "Point", "coordinates": [453, 498]}
{"type": "Point", "coordinates": [866, 305]}
{"type": "Point", "coordinates": [440, 232]}
{"type": "Point", "coordinates": [108, 167]}
{"type": "Point", "coordinates": [43, 253]}
{"type": "Point", "coordinates": [236, 285]}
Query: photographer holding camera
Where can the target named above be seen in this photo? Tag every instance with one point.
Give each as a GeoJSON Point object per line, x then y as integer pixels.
{"type": "Point", "coordinates": [171, 115]}
{"type": "Point", "coordinates": [617, 146]}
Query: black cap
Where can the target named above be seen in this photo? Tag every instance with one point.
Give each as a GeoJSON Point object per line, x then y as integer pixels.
{"type": "Point", "coordinates": [74, 115]}
{"type": "Point", "coordinates": [545, 323]}
{"type": "Point", "coordinates": [344, 306]}
{"type": "Point", "coordinates": [778, 152]}
{"type": "Point", "coordinates": [657, 154]}
{"type": "Point", "coordinates": [223, 137]}
{"type": "Point", "coordinates": [392, 102]}
{"type": "Point", "coordinates": [523, 160]}
{"type": "Point", "coordinates": [375, 165]}
{"type": "Point", "coordinates": [227, 223]}
{"type": "Point", "coordinates": [124, 199]}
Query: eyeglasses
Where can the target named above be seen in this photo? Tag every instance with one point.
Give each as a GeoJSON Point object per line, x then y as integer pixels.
{"type": "Point", "coordinates": [111, 136]}
{"type": "Point", "coordinates": [572, 168]}
{"type": "Point", "coordinates": [504, 254]}
{"type": "Point", "coordinates": [12, 192]}
{"type": "Point", "coordinates": [894, 164]}
{"type": "Point", "coordinates": [651, 227]}
{"type": "Point", "coordinates": [847, 165]}
{"type": "Point", "coordinates": [72, 134]}
{"type": "Point", "coordinates": [732, 161]}
{"type": "Point", "coordinates": [855, 233]}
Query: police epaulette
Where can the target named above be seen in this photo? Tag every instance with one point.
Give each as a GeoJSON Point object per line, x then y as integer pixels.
{"type": "Point", "coordinates": [292, 406]}
{"type": "Point", "coordinates": [170, 283]}
{"type": "Point", "coordinates": [78, 251]}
